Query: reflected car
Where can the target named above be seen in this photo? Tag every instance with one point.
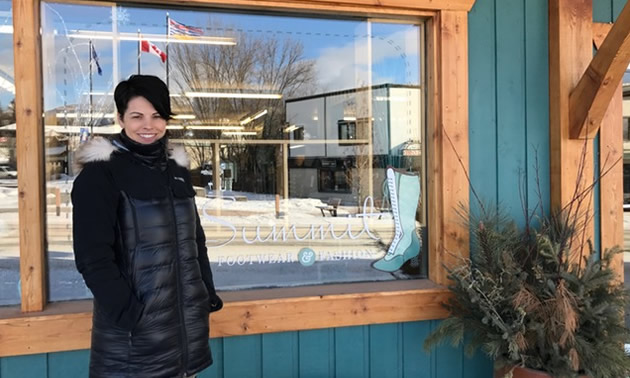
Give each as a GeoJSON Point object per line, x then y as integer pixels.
{"type": "Point", "coordinates": [7, 173]}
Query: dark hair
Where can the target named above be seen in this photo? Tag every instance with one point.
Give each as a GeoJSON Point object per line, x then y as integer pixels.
{"type": "Point", "coordinates": [150, 87]}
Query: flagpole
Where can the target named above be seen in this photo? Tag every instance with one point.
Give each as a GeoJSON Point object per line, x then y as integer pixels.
{"type": "Point", "coordinates": [90, 92]}
{"type": "Point", "coordinates": [139, 52]}
{"type": "Point", "coordinates": [168, 33]}
{"type": "Point", "coordinates": [115, 44]}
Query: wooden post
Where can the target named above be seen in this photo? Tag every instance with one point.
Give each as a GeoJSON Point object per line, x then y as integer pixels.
{"type": "Point", "coordinates": [570, 52]}
{"type": "Point", "coordinates": [30, 152]}
{"type": "Point", "coordinates": [611, 166]}
{"type": "Point", "coordinates": [448, 140]}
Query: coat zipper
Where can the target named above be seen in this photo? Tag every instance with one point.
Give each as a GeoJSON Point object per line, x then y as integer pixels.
{"type": "Point", "coordinates": [184, 338]}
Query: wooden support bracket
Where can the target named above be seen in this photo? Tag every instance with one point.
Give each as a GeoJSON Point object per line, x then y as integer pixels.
{"type": "Point", "coordinates": [589, 100]}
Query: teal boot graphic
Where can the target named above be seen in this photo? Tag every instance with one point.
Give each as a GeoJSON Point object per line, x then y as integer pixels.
{"type": "Point", "coordinates": [404, 192]}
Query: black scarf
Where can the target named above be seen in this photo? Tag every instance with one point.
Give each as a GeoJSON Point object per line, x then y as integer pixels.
{"type": "Point", "coordinates": [154, 155]}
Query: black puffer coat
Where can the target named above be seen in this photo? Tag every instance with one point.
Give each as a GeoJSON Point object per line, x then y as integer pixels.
{"type": "Point", "coordinates": [140, 247]}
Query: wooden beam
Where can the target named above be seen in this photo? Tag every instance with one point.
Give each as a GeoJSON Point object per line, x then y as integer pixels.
{"type": "Point", "coordinates": [30, 152]}
{"type": "Point", "coordinates": [67, 326]}
{"type": "Point", "coordinates": [570, 52]}
{"type": "Point", "coordinates": [353, 6]}
{"type": "Point", "coordinates": [611, 167]}
{"type": "Point", "coordinates": [448, 147]}
{"type": "Point", "coordinates": [590, 99]}
{"type": "Point", "coordinates": [600, 31]}
{"type": "Point", "coordinates": [611, 184]}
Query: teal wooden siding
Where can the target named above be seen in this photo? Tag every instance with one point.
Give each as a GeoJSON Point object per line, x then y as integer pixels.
{"type": "Point", "coordinates": [509, 118]}
{"type": "Point", "coordinates": [377, 351]}
{"type": "Point", "coordinates": [509, 103]}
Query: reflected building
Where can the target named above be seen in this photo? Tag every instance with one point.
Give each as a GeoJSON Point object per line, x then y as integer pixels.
{"type": "Point", "coordinates": [342, 142]}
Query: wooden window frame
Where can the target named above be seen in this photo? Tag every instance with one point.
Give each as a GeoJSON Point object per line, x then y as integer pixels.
{"type": "Point", "coordinates": [41, 327]}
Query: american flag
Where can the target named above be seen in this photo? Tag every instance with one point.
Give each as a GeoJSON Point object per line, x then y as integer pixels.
{"type": "Point", "coordinates": [177, 28]}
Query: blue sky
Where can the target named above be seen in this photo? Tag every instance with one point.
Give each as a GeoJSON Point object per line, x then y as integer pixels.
{"type": "Point", "coordinates": [6, 51]}
{"type": "Point", "coordinates": [337, 46]}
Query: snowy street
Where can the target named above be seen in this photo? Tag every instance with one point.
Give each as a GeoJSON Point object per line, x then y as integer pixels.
{"type": "Point", "coordinates": [248, 245]}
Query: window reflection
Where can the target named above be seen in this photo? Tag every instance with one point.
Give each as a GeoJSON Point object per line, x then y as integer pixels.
{"type": "Point", "coordinates": [9, 231]}
{"type": "Point", "coordinates": [290, 124]}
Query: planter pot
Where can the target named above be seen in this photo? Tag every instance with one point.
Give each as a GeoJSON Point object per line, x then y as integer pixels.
{"type": "Point", "coordinates": [521, 372]}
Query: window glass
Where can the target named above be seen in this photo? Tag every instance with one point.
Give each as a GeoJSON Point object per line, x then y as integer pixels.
{"type": "Point", "coordinates": [9, 231]}
{"type": "Point", "coordinates": [290, 123]}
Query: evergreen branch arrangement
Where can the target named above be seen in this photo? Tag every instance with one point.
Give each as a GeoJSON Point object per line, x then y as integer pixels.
{"type": "Point", "coordinates": [538, 296]}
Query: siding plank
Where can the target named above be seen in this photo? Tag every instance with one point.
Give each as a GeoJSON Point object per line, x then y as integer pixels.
{"type": "Point", "coordinates": [242, 357]}
{"type": "Point", "coordinates": [280, 354]}
{"type": "Point", "coordinates": [216, 369]}
{"type": "Point", "coordinates": [537, 102]}
{"type": "Point", "coordinates": [385, 352]}
{"type": "Point", "coordinates": [617, 6]}
{"type": "Point", "coordinates": [416, 361]}
{"type": "Point", "coordinates": [314, 350]}
{"type": "Point", "coordinates": [350, 359]}
{"type": "Point", "coordinates": [511, 136]}
{"type": "Point", "coordinates": [75, 364]}
{"type": "Point", "coordinates": [602, 10]}
{"type": "Point", "coordinates": [478, 366]}
{"type": "Point", "coordinates": [448, 360]}
{"type": "Point", "coordinates": [482, 98]}
{"type": "Point", "coordinates": [34, 365]}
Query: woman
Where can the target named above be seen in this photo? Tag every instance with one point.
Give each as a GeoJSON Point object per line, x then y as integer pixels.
{"type": "Point", "coordinates": [140, 246]}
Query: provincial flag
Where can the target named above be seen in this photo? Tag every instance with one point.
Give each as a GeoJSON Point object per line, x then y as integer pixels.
{"type": "Point", "coordinates": [146, 46]}
{"type": "Point", "coordinates": [177, 28]}
{"type": "Point", "coordinates": [94, 57]}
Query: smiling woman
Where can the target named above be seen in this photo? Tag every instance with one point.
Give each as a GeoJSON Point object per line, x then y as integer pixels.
{"type": "Point", "coordinates": [137, 115]}
{"type": "Point", "coordinates": [280, 115]}
{"type": "Point", "coordinates": [142, 122]}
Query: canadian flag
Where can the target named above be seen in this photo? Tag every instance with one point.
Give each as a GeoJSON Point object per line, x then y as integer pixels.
{"type": "Point", "coordinates": [146, 46]}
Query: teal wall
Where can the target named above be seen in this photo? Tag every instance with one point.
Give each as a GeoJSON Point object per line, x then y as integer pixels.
{"type": "Point", "coordinates": [377, 351]}
{"type": "Point", "coordinates": [509, 102]}
{"type": "Point", "coordinates": [509, 117]}
{"type": "Point", "coordinates": [509, 97]}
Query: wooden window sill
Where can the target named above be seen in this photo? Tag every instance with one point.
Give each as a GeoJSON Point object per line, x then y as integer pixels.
{"type": "Point", "coordinates": [64, 326]}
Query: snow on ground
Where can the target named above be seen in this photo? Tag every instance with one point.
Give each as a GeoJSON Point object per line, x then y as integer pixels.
{"type": "Point", "coordinates": [234, 224]}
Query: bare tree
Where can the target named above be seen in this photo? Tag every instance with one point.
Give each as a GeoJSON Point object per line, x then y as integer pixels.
{"type": "Point", "coordinates": [255, 64]}
{"type": "Point", "coordinates": [7, 115]}
{"type": "Point", "coordinates": [200, 152]}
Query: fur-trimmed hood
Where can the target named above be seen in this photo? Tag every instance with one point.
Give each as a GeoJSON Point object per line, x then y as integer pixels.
{"type": "Point", "coordinates": [101, 149]}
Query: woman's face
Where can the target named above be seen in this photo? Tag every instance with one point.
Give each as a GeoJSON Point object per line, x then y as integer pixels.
{"type": "Point", "coordinates": [142, 123]}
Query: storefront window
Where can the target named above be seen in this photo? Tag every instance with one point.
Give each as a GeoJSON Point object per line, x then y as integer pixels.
{"type": "Point", "coordinates": [9, 230]}
{"type": "Point", "coordinates": [291, 124]}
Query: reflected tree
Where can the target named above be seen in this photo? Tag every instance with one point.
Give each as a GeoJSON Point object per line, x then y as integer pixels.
{"type": "Point", "coordinates": [7, 114]}
{"type": "Point", "coordinates": [256, 64]}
